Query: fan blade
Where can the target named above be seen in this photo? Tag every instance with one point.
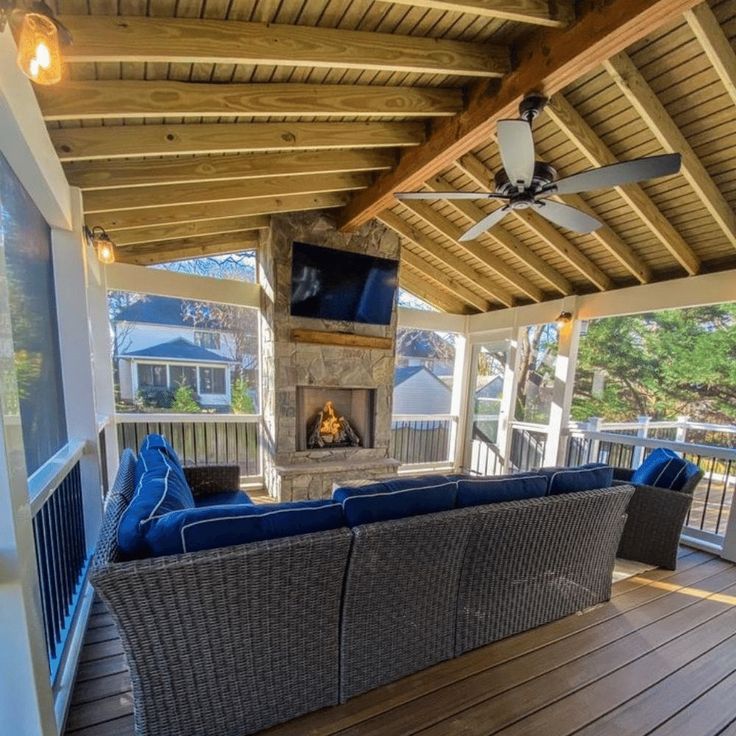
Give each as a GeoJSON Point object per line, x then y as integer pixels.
{"type": "Point", "coordinates": [448, 195]}
{"type": "Point", "coordinates": [617, 174]}
{"type": "Point", "coordinates": [516, 146]}
{"type": "Point", "coordinates": [485, 224]}
{"type": "Point", "coordinates": [566, 216]}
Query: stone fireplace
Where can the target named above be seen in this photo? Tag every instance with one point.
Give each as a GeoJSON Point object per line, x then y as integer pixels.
{"type": "Point", "coordinates": [300, 377]}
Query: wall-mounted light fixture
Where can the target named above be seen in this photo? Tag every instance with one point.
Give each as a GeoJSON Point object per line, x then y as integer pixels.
{"type": "Point", "coordinates": [101, 242]}
{"type": "Point", "coordinates": [40, 37]}
{"type": "Point", "coordinates": [563, 319]}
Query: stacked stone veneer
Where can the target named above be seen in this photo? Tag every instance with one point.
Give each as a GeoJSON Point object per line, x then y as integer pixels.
{"type": "Point", "coordinates": [289, 474]}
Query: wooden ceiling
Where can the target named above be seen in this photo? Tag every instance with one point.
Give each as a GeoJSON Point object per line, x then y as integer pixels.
{"type": "Point", "coordinates": [188, 122]}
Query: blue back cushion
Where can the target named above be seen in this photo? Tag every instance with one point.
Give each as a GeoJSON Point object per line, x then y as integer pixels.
{"type": "Point", "coordinates": [584, 478]}
{"type": "Point", "coordinates": [192, 530]}
{"type": "Point", "coordinates": [663, 468]}
{"type": "Point", "coordinates": [477, 491]}
{"type": "Point", "coordinates": [223, 498]}
{"type": "Point", "coordinates": [154, 449]}
{"type": "Point", "coordinates": [396, 499]}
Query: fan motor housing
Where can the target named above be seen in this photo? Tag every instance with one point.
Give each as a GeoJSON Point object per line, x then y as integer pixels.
{"type": "Point", "coordinates": [544, 174]}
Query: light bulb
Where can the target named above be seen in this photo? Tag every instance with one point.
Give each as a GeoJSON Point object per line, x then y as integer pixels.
{"type": "Point", "coordinates": [106, 253]}
{"type": "Point", "coordinates": [39, 55]}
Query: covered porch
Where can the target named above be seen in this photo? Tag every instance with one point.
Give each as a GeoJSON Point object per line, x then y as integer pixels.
{"type": "Point", "coordinates": [187, 154]}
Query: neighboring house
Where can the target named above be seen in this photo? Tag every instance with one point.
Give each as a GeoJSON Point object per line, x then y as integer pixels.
{"type": "Point", "coordinates": [418, 391]}
{"type": "Point", "coordinates": [157, 346]}
{"type": "Point", "coordinates": [422, 350]}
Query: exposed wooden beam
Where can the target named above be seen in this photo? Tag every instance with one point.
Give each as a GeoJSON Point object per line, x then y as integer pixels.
{"type": "Point", "coordinates": [646, 103]}
{"type": "Point", "coordinates": [452, 233]}
{"type": "Point", "coordinates": [124, 141]}
{"type": "Point", "coordinates": [100, 38]}
{"type": "Point", "coordinates": [124, 238]}
{"type": "Point", "coordinates": [548, 234]}
{"type": "Point", "coordinates": [474, 168]}
{"type": "Point", "coordinates": [474, 213]}
{"type": "Point", "coordinates": [167, 251]}
{"type": "Point", "coordinates": [715, 43]}
{"type": "Point", "coordinates": [538, 12]}
{"type": "Point", "coordinates": [548, 60]}
{"type": "Point", "coordinates": [440, 278]}
{"type": "Point", "coordinates": [423, 241]}
{"type": "Point", "coordinates": [74, 100]}
{"type": "Point", "coordinates": [131, 198]}
{"type": "Point", "coordinates": [177, 215]}
{"type": "Point", "coordinates": [439, 298]}
{"type": "Point", "coordinates": [597, 152]}
{"type": "Point", "coordinates": [107, 175]}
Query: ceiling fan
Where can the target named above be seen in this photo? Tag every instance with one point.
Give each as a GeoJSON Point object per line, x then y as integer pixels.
{"type": "Point", "coordinates": [525, 183]}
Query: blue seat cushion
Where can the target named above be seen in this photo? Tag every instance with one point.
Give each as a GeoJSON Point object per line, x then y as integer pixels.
{"type": "Point", "coordinates": [193, 530]}
{"type": "Point", "coordinates": [478, 491]}
{"type": "Point", "coordinates": [160, 490]}
{"type": "Point", "coordinates": [663, 468]}
{"type": "Point", "coordinates": [223, 498]}
{"type": "Point", "coordinates": [396, 499]}
{"type": "Point", "coordinates": [583, 478]}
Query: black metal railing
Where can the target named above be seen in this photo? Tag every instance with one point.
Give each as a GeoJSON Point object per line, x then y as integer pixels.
{"type": "Point", "coordinates": [423, 440]}
{"type": "Point", "coordinates": [528, 447]}
{"type": "Point", "coordinates": [485, 456]}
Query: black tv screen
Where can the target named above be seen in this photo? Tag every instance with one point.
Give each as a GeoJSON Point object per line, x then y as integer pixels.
{"type": "Point", "coordinates": [336, 284]}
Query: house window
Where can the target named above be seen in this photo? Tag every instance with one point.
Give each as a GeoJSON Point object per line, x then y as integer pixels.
{"type": "Point", "coordinates": [152, 375]}
{"type": "Point", "coordinates": [182, 375]}
{"type": "Point", "coordinates": [212, 380]}
{"type": "Point", "coordinates": [209, 340]}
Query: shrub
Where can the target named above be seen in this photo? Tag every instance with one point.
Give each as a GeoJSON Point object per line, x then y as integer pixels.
{"type": "Point", "coordinates": [155, 397]}
{"type": "Point", "coordinates": [241, 401]}
{"type": "Point", "coordinates": [184, 401]}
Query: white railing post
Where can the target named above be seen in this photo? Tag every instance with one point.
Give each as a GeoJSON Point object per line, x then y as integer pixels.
{"type": "Point", "coordinates": [507, 408]}
{"type": "Point", "coordinates": [460, 400]}
{"type": "Point", "coordinates": [594, 425]}
{"type": "Point", "coordinates": [637, 457]}
{"type": "Point", "coordinates": [682, 426]}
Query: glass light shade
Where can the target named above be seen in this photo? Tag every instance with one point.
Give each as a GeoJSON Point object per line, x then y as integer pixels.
{"type": "Point", "coordinates": [105, 249]}
{"type": "Point", "coordinates": [39, 54]}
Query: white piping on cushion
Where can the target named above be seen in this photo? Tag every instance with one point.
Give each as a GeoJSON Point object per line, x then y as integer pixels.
{"type": "Point", "coordinates": [395, 493]}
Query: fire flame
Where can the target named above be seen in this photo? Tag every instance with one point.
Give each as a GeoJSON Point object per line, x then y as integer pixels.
{"type": "Point", "coordinates": [330, 421]}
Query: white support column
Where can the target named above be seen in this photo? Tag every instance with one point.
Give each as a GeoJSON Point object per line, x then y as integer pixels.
{"type": "Point", "coordinates": [70, 276]}
{"type": "Point", "coordinates": [559, 416]}
{"type": "Point", "coordinates": [508, 398]}
{"type": "Point", "coordinates": [594, 425]}
{"type": "Point", "coordinates": [460, 399]}
{"type": "Point", "coordinates": [26, 699]}
{"type": "Point", "coordinates": [637, 457]}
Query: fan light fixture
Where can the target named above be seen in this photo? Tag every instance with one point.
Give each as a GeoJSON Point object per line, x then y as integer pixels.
{"type": "Point", "coordinates": [564, 318]}
{"type": "Point", "coordinates": [40, 38]}
{"type": "Point", "coordinates": [103, 245]}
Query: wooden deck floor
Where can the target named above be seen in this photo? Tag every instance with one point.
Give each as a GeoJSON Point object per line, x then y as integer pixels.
{"type": "Point", "coordinates": [659, 658]}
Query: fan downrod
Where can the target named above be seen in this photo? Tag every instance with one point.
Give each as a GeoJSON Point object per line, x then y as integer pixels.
{"type": "Point", "coordinates": [531, 106]}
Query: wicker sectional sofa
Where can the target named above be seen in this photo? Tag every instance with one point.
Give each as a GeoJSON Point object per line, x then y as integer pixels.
{"type": "Point", "coordinates": [226, 642]}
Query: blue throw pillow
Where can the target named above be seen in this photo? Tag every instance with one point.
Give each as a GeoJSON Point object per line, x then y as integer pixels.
{"type": "Point", "coordinates": [223, 498]}
{"type": "Point", "coordinates": [584, 478]}
{"type": "Point", "coordinates": [477, 491]}
{"type": "Point", "coordinates": [154, 450]}
{"type": "Point", "coordinates": [192, 530]}
{"type": "Point", "coordinates": [663, 468]}
{"type": "Point", "coordinates": [378, 502]}
{"type": "Point", "coordinates": [159, 491]}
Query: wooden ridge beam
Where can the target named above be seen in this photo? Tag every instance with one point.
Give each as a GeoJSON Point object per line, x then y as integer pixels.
{"type": "Point", "coordinates": [472, 212]}
{"type": "Point", "coordinates": [76, 100]}
{"type": "Point", "coordinates": [181, 214]}
{"type": "Point", "coordinates": [458, 265]}
{"type": "Point", "coordinates": [109, 175]}
{"type": "Point", "coordinates": [124, 238]}
{"type": "Point", "coordinates": [437, 297]}
{"type": "Point", "coordinates": [160, 195]}
{"type": "Point", "coordinates": [549, 60]}
{"type": "Point", "coordinates": [440, 278]}
{"type": "Point", "coordinates": [476, 170]}
{"type": "Point", "coordinates": [126, 141]}
{"type": "Point", "coordinates": [167, 251]}
{"type": "Point", "coordinates": [647, 105]}
{"type": "Point", "coordinates": [716, 45]}
{"type": "Point", "coordinates": [452, 233]}
{"type": "Point", "coordinates": [556, 14]}
{"type": "Point", "coordinates": [206, 41]}
{"type": "Point", "coordinates": [595, 150]}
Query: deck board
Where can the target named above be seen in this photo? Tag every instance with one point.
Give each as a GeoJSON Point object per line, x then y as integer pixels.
{"type": "Point", "coordinates": [659, 657]}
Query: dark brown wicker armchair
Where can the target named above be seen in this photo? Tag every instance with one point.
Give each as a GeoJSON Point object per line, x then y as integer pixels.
{"type": "Point", "coordinates": [655, 520]}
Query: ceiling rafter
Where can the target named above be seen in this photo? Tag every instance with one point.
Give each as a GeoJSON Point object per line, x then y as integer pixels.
{"type": "Point", "coordinates": [206, 41]}
{"type": "Point", "coordinates": [124, 98]}
{"type": "Point", "coordinates": [122, 141]}
{"type": "Point", "coordinates": [649, 108]}
{"type": "Point", "coordinates": [436, 297]}
{"type": "Point", "coordinates": [165, 252]}
{"type": "Point", "coordinates": [400, 226]}
{"type": "Point", "coordinates": [550, 59]}
{"type": "Point", "coordinates": [569, 120]}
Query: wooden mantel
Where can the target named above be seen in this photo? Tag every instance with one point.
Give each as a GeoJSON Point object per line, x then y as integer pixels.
{"type": "Point", "coordinates": [345, 339]}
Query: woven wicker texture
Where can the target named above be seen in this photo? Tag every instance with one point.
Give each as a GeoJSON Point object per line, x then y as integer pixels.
{"type": "Point", "coordinates": [400, 598]}
{"type": "Point", "coordinates": [206, 479]}
{"type": "Point", "coordinates": [530, 562]}
{"type": "Point", "coordinates": [229, 641]}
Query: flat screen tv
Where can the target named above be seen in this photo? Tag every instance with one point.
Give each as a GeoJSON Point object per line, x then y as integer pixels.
{"type": "Point", "coordinates": [336, 284]}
